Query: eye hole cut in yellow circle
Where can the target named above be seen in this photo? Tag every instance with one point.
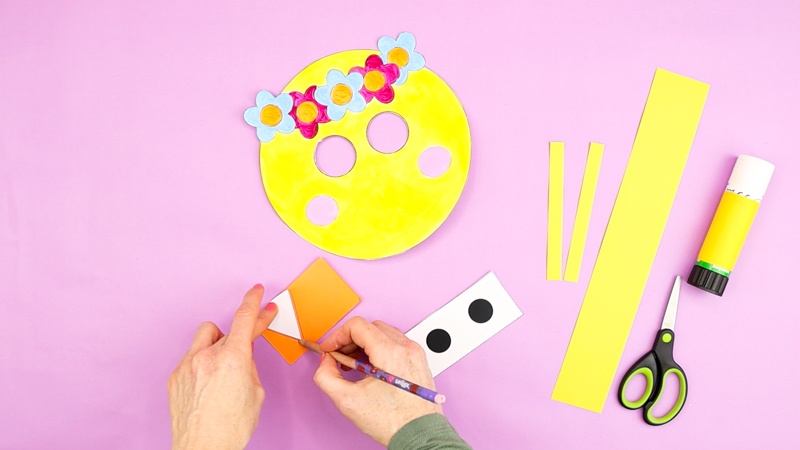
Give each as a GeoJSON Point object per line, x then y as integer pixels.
{"type": "Point", "coordinates": [386, 204]}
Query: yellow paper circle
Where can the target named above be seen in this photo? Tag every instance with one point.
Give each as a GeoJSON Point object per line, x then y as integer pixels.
{"type": "Point", "coordinates": [386, 204]}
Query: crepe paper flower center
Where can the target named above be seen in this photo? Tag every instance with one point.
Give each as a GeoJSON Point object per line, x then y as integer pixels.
{"type": "Point", "coordinates": [374, 80]}
{"type": "Point", "coordinates": [271, 115]}
{"type": "Point", "coordinates": [341, 94]}
{"type": "Point", "coordinates": [398, 56]}
{"type": "Point", "coordinates": [307, 112]}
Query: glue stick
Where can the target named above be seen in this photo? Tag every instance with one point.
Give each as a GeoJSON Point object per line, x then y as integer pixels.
{"type": "Point", "coordinates": [731, 223]}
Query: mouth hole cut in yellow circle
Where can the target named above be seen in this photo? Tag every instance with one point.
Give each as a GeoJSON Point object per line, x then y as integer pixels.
{"type": "Point", "coordinates": [322, 210]}
{"type": "Point", "coordinates": [434, 161]}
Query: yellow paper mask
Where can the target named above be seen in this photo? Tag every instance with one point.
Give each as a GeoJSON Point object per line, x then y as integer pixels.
{"type": "Point", "coordinates": [384, 204]}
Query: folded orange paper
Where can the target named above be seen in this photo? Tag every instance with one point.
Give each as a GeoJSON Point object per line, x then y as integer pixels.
{"type": "Point", "coordinates": [321, 299]}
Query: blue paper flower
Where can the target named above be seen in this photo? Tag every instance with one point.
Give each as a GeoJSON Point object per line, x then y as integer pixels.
{"type": "Point", "coordinates": [270, 115]}
{"type": "Point", "coordinates": [340, 93]}
{"type": "Point", "coordinates": [401, 52]}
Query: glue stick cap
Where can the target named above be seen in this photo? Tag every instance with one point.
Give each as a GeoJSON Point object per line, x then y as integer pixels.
{"type": "Point", "coordinates": [707, 280]}
{"type": "Point", "coordinates": [750, 177]}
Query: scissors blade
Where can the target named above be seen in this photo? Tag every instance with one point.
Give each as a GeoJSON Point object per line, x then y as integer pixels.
{"type": "Point", "coordinates": [672, 306]}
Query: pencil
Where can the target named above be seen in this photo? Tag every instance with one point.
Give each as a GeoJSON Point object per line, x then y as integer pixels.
{"type": "Point", "coordinates": [368, 369]}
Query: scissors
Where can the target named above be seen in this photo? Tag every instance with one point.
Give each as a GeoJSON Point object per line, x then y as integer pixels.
{"type": "Point", "coordinates": [656, 365]}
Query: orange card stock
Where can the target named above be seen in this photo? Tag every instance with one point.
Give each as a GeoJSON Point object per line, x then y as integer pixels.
{"type": "Point", "coordinates": [321, 298]}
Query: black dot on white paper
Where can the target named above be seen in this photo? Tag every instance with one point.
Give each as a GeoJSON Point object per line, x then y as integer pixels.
{"type": "Point", "coordinates": [438, 340]}
{"type": "Point", "coordinates": [480, 310]}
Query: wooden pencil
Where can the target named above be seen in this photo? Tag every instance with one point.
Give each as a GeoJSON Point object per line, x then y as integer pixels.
{"type": "Point", "coordinates": [368, 369]}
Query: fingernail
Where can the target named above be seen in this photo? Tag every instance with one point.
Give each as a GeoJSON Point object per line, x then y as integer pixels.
{"type": "Point", "coordinates": [321, 357]}
{"type": "Point", "coordinates": [271, 306]}
{"type": "Point", "coordinates": [252, 346]}
{"type": "Point", "coordinates": [258, 286]}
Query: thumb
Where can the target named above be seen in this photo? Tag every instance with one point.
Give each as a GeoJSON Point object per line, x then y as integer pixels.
{"type": "Point", "coordinates": [265, 318]}
{"type": "Point", "coordinates": [330, 380]}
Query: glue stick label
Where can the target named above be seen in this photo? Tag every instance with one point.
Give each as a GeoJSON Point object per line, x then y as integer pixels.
{"type": "Point", "coordinates": [727, 233]}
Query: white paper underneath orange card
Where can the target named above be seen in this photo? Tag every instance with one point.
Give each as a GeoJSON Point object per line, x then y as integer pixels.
{"type": "Point", "coordinates": [465, 323]}
{"type": "Point", "coordinates": [286, 320]}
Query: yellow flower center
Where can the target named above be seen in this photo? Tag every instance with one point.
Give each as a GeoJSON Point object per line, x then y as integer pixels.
{"type": "Point", "coordinates": [307, 112]}
{"type": "Point", "coordinates": [398, 56]}
{"type": "Point", "coordinates": [374, 80]}
{"type": "Point", "coordinates": [271, 115]}
{"type": "Point", "coordinates": [341, 94]}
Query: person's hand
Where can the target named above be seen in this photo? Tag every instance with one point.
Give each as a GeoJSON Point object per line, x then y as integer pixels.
{"type": "Point", "coordinates": [376, 408]}
{"type": "Point", "coordinates": [215, 395]}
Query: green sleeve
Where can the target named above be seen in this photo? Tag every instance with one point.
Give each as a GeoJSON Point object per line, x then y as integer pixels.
{"type": "Point", "coordinates": [431, 432]}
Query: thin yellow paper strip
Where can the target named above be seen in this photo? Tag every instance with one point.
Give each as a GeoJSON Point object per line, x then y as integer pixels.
{"type": "Point", "coordinates": [585, 202]}
{"type": "Point", "coordinates": [645, 197]}
{"type": "Point", "coordinates": [555, 210]}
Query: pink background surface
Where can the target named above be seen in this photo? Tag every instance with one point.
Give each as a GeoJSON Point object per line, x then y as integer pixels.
{"type": "Point", "coordinates": [131, 209]}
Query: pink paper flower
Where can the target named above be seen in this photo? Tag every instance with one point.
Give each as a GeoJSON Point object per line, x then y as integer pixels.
{"type": "Point", "coordinates": [307, 112]}
{"type": "Point", "coordinates": [378, 79]}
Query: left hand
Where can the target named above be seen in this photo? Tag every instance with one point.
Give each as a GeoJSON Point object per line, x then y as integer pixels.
{"type": "Point", "coordinates": [215, 395]}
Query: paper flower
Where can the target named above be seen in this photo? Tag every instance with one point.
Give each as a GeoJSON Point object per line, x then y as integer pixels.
{"type": "Point", "coordinates": [270, 115]}
{"type": "Point", "coordinates": [378, 79]}
{"type": "Point", "coordinates": [308, 113]}
{"type": "Point", "coordinates": [400, 52]}
{"type": "Point", "coordinates": [341, 93]}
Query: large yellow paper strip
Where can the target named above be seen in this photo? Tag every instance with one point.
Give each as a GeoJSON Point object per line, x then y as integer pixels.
{"type": "Point", "coordinates": [555, 211]}
{"type": "Point", "coordinates": [585, 202]}
{"type": "Point", "coordinates": [645, 197]}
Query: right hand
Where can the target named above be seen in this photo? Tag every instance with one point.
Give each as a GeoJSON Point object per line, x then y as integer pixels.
{"type": "Point", "coordinates": [375, 407]}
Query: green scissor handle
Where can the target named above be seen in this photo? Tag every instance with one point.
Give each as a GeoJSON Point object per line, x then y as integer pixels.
{"type": "Point", "coordinates": [655, 366]}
